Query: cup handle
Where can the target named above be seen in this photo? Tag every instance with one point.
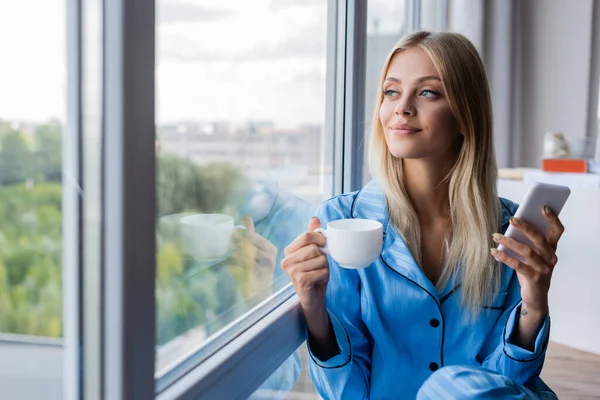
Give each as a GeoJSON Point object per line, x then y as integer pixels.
{"type": "Point", "coordinates": [324, 232]}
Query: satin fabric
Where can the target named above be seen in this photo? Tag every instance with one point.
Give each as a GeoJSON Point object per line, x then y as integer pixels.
{"type": "Point", "coordinates": [394, 329]}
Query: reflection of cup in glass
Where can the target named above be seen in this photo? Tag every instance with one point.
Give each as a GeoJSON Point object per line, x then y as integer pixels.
{"type": "Point", "coordinates": [208, 237]}
{"type": "Point", "coordinates": [169, 227]}
{"type": "Point", "coordinates": [353, 243]}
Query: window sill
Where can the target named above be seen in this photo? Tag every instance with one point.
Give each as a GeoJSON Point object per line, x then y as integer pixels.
{"type": "Point", "coordinates": [243, 364]}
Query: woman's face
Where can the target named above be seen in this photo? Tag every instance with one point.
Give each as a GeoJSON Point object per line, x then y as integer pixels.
{"type": "Point", "coordinates": [415, 113]}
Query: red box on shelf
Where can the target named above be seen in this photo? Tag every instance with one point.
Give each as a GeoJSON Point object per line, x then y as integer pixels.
{"type": "Point", "coordinates": [564, 165]}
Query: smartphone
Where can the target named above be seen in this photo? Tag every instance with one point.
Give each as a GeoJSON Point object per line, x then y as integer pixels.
{"type": "Point", "coordinates": [530, 210]}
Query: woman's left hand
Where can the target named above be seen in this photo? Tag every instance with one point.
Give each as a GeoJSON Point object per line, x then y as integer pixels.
{"type": "Point", "coordinates": [536, 272]}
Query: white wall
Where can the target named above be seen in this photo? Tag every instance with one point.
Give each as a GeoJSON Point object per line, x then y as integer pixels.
{"type": "Point", "coordinates": [555, 52]}
{"type": "Point", "coordinates": [573, 293]}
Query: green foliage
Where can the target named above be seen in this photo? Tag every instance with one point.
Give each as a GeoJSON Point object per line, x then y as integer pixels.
{"type": "Point", "coordinates": [184, 303]}
{"type": "Point", "coordinates": [31, 232]}
{"type": "Point", "coordinates": [48, 152]}
{"type": "Point", "coordinates": [184, 186]}
{"type": "Point", "coordinates": [30, 259]}
{"type": "Point", "coordinates": [15, 157]}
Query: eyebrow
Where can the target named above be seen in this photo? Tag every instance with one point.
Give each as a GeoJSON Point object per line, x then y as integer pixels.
{"type": "Point", "coordinates": [421, 79]}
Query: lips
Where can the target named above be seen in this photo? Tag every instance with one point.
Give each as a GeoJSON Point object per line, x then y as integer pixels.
{"type": "Point", "coordinates": [404, 129]}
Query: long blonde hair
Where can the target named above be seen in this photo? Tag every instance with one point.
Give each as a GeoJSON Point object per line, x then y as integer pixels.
{"type": "Point", "coordinates": [474, 207]}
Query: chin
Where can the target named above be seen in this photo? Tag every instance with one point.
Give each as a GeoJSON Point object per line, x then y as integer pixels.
{"type": "Point", "coordinates": [407, 151]}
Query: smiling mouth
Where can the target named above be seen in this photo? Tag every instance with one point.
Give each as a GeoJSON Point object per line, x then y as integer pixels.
{"type": "Point", "coordinates": [403, 131]}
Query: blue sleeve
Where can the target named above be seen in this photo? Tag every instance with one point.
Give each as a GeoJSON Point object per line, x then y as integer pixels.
{"type": "Point", "coordinates": [347, 374]}
{"type": "Point", "coordinates": [499, 352]}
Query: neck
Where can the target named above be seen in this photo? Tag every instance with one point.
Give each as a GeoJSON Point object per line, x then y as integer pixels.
{"type": "Point", "coordinates": [426, 187]}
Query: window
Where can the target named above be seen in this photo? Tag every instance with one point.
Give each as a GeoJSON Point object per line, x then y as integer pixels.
{"type": "Point", "coordinates": [387, 22]}
{"type": "Point", "coordinates": [303, 389]}
{"type": "Point", "coordinates": [32, 119]}
{"type": "Point", "coordinates": [433, 15]}
{"type": "Point", "coordinates": [241, 164]}
{"type": "Point", "coordinates": [242, 141]}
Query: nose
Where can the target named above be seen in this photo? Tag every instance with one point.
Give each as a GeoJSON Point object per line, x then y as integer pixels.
{"type": "Point", "coordinates": [405, 107]}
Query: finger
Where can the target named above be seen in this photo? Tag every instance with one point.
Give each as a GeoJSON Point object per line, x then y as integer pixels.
{"type": "Point", "coordinates": [556, 227]}
{"type": "Point", "coordinates": [305, 239]}
{"type": "Point", "coordinates": [263, 243]}
{"type": "Point", "coordinates": [532, 256]}
{"type": "Point", "coordinates": [248, 223]}
{"type": "Point", "coordinates": [303, 254]}
{"type": "Point", "coordinates": [310, 278]}
{"type": "Point", "coordinates": [537, 238]}
{"type": "Point", "coordinates": [314, 224]}
{"type": "Point", "coordinates": [522, 268]}
{"type": "Point", "coordinates": [244, 245]}
{"type": "Point", "coordinates": [315, 264]}
{"type": "Point", "coordinates": [265, 260]}
{"type": "Point", "coordinates": [243, 260]}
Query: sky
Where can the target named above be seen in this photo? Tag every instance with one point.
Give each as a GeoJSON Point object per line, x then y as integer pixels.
{"type": "Point", "coordinates": [232, 60]}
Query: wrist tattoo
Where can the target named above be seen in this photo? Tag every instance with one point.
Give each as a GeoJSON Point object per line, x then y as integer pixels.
{"type": "Point", "coordinates": [523, 312]}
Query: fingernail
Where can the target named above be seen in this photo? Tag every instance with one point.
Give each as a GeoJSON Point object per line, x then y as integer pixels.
{"type": "Point", "coordinates": [494, 251]}
{"type": "Point", "coordinates": [313, 218]}
{"type": "Point", "coordinates": [497, 236]}
{"type": "Point", "coordinates": [515, 220]}
{"type": "Point", "coordinates": [547, 210]}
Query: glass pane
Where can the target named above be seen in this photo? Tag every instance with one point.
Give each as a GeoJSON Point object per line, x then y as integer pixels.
{"type": "Point", "coordinates": [274, 388]}
{"type": "Point", "coordinates": [433, 15]}
{"type": "Point", "coordinates": [597, 155]}
{"type": "Point", "coordinates": [387, 21]}
{"type": "Point", "coordinates": [240, 163]}
{"type": "Point", "coordinates": [32, 118]}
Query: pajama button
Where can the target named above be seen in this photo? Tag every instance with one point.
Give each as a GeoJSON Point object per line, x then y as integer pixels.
{"type": "Point", "coordinates": [434, 322]}
{"type": "Point", "coordinates": [433, 366]}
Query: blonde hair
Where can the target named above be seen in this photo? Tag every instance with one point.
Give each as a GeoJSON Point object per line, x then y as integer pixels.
{"type": "Point", "coordinates": [473, 202]}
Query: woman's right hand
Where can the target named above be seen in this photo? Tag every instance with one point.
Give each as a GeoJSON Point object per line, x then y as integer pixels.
{"type": "Point", "coordinates": [308, 268]}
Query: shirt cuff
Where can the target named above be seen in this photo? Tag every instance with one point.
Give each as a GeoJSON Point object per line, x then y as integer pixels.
{"type": "Point", "coordinates": [517, 353]}
{"type": "Point", "coordinates": [344, 349]}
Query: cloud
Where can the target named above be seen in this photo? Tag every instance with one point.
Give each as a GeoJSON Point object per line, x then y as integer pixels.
{"type": "Point", "coordinates": [303, 44]}
{"type": "Point", "coordinates": [294, 48]}
{"type": "Point", "coordinates": [277, 5]}
{"type": "Point", "coordinates": [294, 31]}
{"type": "Point", "coordinates": [169, 13]}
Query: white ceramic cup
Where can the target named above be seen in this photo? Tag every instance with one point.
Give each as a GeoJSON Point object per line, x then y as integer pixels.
{"type": "Point", "coordinates": [169, 226]}
{"type": "Point", "coordinates": [354, 242]}
{"type": "Point", "coordinates": [208, 237]}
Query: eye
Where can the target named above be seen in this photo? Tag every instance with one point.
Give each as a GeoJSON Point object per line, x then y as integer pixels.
{"type": "Point", "coordinates": [429, 93]}
{"type": "Point", "coordinates": [390, 93]}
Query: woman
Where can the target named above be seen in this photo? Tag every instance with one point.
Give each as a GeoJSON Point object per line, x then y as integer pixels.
{"type": "Point", "coordinates": [441, 314]}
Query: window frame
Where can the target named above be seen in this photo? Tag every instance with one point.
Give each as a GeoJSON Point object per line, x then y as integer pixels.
{"type": "Point", "coordinates": [283, 328]}
{"type": "Point", "coordinates": [274, 338]}
{"type": "Point", "coordinates": [72, 206]}
{"type": "Point", "coordinates": [109, 314]}
{"type": "Point", "coordinates": [129, 200]}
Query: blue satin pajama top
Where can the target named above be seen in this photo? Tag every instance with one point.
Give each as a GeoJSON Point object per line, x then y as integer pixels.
{"type": "Point", "coordinates": [393, 328]}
